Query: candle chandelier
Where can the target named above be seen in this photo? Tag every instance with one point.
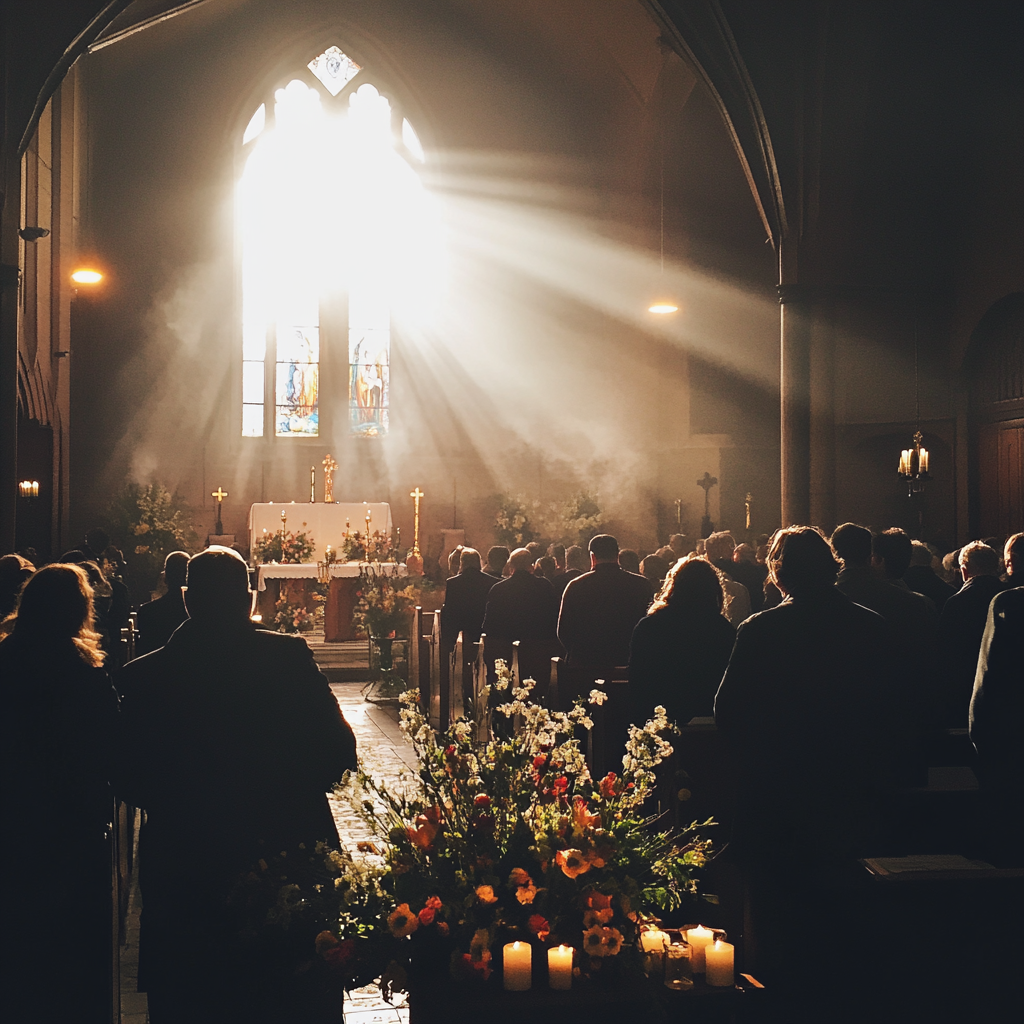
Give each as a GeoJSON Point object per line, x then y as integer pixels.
{"type": "Point", "coordinates": [914, 461]}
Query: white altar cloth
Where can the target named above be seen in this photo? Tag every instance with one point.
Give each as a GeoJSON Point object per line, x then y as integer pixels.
{"type": "Point", "coordinates": [325, 523]}
{"type": "Point", "coordinates": [309, 570]}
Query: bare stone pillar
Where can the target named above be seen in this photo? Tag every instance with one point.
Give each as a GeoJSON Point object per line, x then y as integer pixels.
{"type": "Point", "coordinates": [796, 404]}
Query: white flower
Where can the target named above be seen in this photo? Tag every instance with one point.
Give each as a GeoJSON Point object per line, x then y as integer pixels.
{"type": "Point", "coordinates": [597, 697]}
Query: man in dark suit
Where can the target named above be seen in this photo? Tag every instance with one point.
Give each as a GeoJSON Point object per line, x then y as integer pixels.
{"type": "Point", "coordinates": [600, 610]}
{"type": "Point", "coordinates": [997, 705]}
{"type": "Point", "coordinates": [922, 578]}
{"type": "Point", "coordinates": [230, 739]}
{"type": "Point", "coordinates": [962, 626]}
{"type": "Point", "coordinates": [160, 618]}
{"type": "Point", "coordinates": [465, 600]}
{"type": "Point", "coordinates": [522, 607]}
{"type": "Point", "coordinates": [576, 564]}
{"type": "Point", "coordinates": [497, 559]}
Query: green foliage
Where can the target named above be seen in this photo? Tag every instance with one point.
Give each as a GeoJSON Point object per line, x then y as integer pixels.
{"type": "Point", "coordinates": [575, 521]}
{"type": "Point", "coordinates": [283, 547]}
{"type": "Point", "coordinates": [147, 522]}
{"type": "Point", "coordinates": [512, 525]}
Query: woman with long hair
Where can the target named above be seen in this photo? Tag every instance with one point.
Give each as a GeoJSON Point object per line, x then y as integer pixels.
{"type": "Point", "coordinates": [680, 649]}
{"type": "Point", "coordinates": [56, 741]}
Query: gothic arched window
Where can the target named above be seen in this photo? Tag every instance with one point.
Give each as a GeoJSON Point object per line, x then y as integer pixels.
{"type": "Point", "coordinates": [332, 216]}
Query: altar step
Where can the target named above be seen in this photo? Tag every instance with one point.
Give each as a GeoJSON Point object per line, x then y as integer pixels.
{"type": "Point", "coordinates": [345, 662]}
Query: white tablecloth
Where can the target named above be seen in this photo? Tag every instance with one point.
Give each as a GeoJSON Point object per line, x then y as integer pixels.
{"type": "Point", "coordinates": [308, 570]}
{"type": "Point", "coordinates": [324, 523]}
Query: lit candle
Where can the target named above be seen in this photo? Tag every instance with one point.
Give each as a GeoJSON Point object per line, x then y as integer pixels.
{"type": "Point", "coordinates": [719, 958]}
{"type": "Point", "coordinates": [924, 460]}
{"type": "Point", "coordinates": [699, 938]}
{"type": "Point", "coordinates": [653, 940]}
{"type": "Point", "coordinates": [517, 966]}
{"type": "Point", "coordinates": [559, 967]}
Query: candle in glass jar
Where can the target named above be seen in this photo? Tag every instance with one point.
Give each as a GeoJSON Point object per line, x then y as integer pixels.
{"type": "Point", "coordinates": [719, 959]}
{"type": "Point", "coordinates": [560, 967]}
{"type": "Point", "coordinates": [653, 940]}
{"type": "Point", "coordinates": [517, 966]}
{"type": "Point", "coordinates": [699, 939]}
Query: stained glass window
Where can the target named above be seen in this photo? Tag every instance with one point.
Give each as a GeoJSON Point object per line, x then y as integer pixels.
{"type": "Point", "coordinates": [334, 69]}
{"type": "Point", "coordinates": [369, 357]}
{"type": "Point", "coordinates": [298, 380]}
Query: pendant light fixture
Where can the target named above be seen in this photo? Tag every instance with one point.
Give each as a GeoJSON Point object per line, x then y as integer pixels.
{"type": "Point", "coordinates": [914, 461]}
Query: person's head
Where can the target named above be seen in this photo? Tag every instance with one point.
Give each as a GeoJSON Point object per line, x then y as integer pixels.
{"type": "Point", "coordinates": [978, 559]}
{"type": "Point", "coordinates": [217, 587]}
{"type": "Point", "coordinates": [890, 551]}
{"type": "Point", "coordinates": [14, 571]}
{"type": "Point", "coordinates": [521, 560]}
{"type": "Point", "coordinates": [852, 545]}
{"type": "Point", "coordinates": [692, 585]}
{"type": "Point", "coordinates": [175, 569]}
{"type": "Point", "coordinates": [546, 567]}
{"type": "Point", "coordinates": [469, 559]}
{"type": "Point", "coordinates": [629, 560]}
{"type": "Point", "coordinates": [497, 557]}
{"type": "Point", "coordinates": [801, 563]}
{"type": "Point", "coordinates": [101, 587]}
{"type": "Point", "coordinates": [558, 554]}
{"type": "Point", "coordinates": [744, 553]}
{"type": "Point", "coordinates": [761, 547]}
{"type": "Point", "coordinates": [1013, 555]}
{"type": "Point", "coordinates": [56, 610]}
{"type": "Point", "coordinates": [603, 548]}
{"type": "Point", "coordinates": [453, 560]}
{"type": "Point", "coordinates": [654, 568]}
{"type": "Point", "coordinates": [920, 554]}
{"type": "Point", "coordinates": [576, 558]}
{"type": "Point", "coordinates": [680, 544]}
{"type": "Point", "coordinates": [668, 554]}
{"type": "Point", "coordinates": [98, 540]}
{"type": "Point", "coordinates": [536, 550]}
{"type": "Point", "coordinates": [720, 546]}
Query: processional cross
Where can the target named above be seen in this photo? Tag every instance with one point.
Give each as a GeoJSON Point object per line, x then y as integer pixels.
{"type": "Point", "coordinates": [329, 467]}
{"type": "Point", "coordinates": [707, 481]}
{"type": "Point", "coordinates": [220, 494]}
{"type": "Point", "coordinates": [414, 560]}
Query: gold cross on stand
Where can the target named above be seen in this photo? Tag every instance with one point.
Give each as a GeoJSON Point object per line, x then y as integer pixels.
{"type": "Point", "coordinates": [220, 494]}
{"type": "Point", "coordinates": [414, 560]}
{"type": "Point", "coordinates": [329, 467]}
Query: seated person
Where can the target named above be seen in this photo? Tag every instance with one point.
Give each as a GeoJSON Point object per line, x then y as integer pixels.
{"type": "Point", "coordinates": [681, 646]}
{"type": "Point", "coordinates": [497, 559]}
{"type": "Point", "coordinates": [522, 607]}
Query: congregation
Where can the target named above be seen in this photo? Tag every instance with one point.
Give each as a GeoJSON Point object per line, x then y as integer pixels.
{"type": "Point", "coordinates": [830, 666]}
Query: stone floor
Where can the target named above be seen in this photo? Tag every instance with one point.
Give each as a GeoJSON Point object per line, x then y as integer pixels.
{"type": "Point", "coordinates": [386, 755]}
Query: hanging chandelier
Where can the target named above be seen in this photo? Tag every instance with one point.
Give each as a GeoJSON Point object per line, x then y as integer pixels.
{"type": "Point", "coordinates": [914, 461]}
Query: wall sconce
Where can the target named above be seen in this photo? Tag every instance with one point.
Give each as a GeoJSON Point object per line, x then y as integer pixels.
{"type": "Point", "coordinates": [28, 489]}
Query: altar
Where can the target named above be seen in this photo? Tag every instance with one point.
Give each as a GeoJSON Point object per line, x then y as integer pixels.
{"type": "Point", "coordinates": [324, 523]}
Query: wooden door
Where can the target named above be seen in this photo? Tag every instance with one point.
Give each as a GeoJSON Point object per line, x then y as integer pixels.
{"type": "Point", "coordinates": [1001, 478]}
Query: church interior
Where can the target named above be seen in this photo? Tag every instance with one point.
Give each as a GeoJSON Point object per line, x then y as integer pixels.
{"type": "Point", "coordinates": [511, 256]}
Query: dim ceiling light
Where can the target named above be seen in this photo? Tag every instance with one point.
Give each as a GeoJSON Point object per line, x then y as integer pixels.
{"type": "Point", "coordinates": [86, 276]}
{"type": "Point", "coordinates": [662, 307]}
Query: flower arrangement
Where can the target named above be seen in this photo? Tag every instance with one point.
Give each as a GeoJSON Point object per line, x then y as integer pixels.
{"type": "Point", "coordinates": [292, 618]}
{"type": "Point", "coordinates": [282, 547]}
{"type": "Point", "coordinates": [384, 601]}
{"type": "Point", "coordinates": [356, 547]}
{"type": "Point", "coordinates": [577, 520]}
{"type": "Point", "coordinates": [512, 525]}
{"type": "Point", "coordinates": [512, 839]}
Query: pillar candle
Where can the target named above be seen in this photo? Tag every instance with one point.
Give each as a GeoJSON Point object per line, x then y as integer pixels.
{"type": "Point", "coordinates": [653, 940]}
{"type": "Point", "coordinates": [699, 938]}
{"type": "Point", "coordinates": [517, 966]}
{"type": "Point", "coordinates": [719, 959]}
{"type": "Point", "coordinates": [560, 967]}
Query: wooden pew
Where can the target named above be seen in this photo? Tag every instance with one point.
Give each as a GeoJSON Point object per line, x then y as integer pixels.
{"type": "Point", "coordinates": [556, 682]}
{"type": "Point", "coordinates": [438, 702]}
{"type": "Point", "coordinates": [481, 707]}
{"type": "Point", "coordinates": [459, 680]}
{"type": "Point", "coordinates": [531, 659]}
{"type": "Point", "coordinates": [606, 742]}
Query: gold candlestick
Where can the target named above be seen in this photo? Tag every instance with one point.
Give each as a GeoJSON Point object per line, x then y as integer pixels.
{"type": "Point", "coordinates": [414, 560]}
{"type": "Point", "coordinates": [329, 467]}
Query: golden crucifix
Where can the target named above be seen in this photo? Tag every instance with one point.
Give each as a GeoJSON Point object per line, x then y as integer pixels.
{"type": "Point", "coordinates": [329, 467]}
{"type": "Point", "coordinates": [220, 494]}
{"type": "Point", "coordinates": [414, 560]}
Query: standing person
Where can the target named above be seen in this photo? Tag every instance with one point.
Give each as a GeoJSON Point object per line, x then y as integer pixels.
{"type": "Point", "coordinates": [719, 549]}
{"type": "Point", "coordinates": [497, 559]}
{"type": "Point", "coordinates": [465, 600]}
{"type": "Point", "coordinates": [681, 646]}
{"type": "Point", "coordinates": [160, 618]}
{"type": "Point", "coordinates": [576, 564]}
{"type": "Point", "coordinates": [522, 607]}
{"type": "Point", "coordinates": [230, 739]}
{"type": "Point", "coordinates": [58, 731]}
{"type": "Point", "coordinates": [599, 612]}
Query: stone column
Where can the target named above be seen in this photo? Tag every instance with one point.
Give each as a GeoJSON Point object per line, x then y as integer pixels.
{"type": "Point", "coordinates": [796, 404]}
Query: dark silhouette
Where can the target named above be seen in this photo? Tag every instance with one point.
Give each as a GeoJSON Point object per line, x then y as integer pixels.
{"type": "Point", "coordinates": [497, 559]}
{"type": "Point", "coordinates": [58, 732]}
{"type": "Point", "coordinates": [231, 736]}
{"type": "Point", "coordinates": [962, 625]}
{"type": "Point", "coordinates": [600, 610]}
{"type": "Point", "coordinates": [14, 572]}
{"type": "Point", "coordinates": [576, 564]}
{"type": "Point", "coordinates": [160, 618]}
{"type": "Point", "coordinates": [630, 560]}
{"type": "Point", "coordinates": [680, 648]}
{"type": "Point", "coordinates": [922, 578]}
{"type": "Point", "coordinates": [522, 607]}
{"type": "Point", "coordinates": [719, 548]}
{"type": "Point", "coordinates": [806, 699]}
{"type": "Point", "coordinates": [465, 600]}
{"type": "Point", "coordinates": [654, 568]}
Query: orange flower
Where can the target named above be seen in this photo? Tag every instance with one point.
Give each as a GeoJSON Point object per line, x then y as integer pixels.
{"type": "Point", "coordinates": [426, 916]}
{"type": "Point", "coordinates": [539, 926]}
{"type": "Point", "coordinates": [433, 903]}
{"type": "Point", "coordinates": [442, 929]}
{"type": "Point", "coordinates": [599, 909]}
{"type": "Point", "coordinates": [594, 858]}
{"type": "Point", "coordinates": [519, 876]}
{"type": "Point", "coordinates": [581, 818]}
{"type": "Point", "coordinates": [599, 941]}
{"type": "Point", "coordinates": [610, 786]}
{"type": "Point", "coordinates": [485, 894]}
{"type": "Point", "coordinates": [402, 921]}
{"type": "Point", "coordinates": [572, 862]}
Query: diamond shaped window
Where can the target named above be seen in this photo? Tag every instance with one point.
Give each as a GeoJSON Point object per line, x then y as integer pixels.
{"type": "Point", "coordinates": [334, 69]}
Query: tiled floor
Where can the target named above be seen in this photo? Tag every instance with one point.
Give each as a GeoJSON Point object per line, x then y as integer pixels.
{"type": "Point", "coordinates": [386, 755]}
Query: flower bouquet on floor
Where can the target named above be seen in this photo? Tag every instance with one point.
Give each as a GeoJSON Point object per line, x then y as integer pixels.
{"type": "Point", "coordinates": [513, 840]}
